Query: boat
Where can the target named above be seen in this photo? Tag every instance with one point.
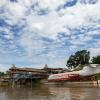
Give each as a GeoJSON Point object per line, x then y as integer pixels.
{"type": "Point", "coordinates": [86, 73]}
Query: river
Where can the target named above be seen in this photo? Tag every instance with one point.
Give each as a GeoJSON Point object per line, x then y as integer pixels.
{"type": "Point", "coordinates": [49, 92]}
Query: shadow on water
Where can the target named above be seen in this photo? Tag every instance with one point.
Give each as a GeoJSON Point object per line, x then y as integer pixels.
{"type": "Point", "coordinates": [49, 92]}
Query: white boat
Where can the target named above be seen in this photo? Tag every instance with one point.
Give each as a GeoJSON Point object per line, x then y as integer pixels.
{"type": "Point", "coordinates": [84, 74]}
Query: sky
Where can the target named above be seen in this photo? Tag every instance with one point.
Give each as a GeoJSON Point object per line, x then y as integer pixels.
{"type": "Point", "coordinates": [38, 32]}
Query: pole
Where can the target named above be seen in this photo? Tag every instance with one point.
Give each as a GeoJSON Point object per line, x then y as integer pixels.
{"type": "Point", "coordinates": [31, 82]}
{"type": "Point", "coordinates": [97, 81]}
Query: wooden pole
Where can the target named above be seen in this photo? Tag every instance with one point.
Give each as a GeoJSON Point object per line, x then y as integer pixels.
{"type": "Point", "coordinates": [97, 81]}
{"type": "Point", "coordinates": [31, 82]}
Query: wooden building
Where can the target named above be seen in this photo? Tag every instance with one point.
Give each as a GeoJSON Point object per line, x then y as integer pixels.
{"type": "Point", "coordinates": [55, 70]}
{"type": "Point", "coordinates": [27, 71]}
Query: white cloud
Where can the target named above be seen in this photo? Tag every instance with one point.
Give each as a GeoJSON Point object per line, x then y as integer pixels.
{"type": "Point", "coordinates": [64, 20]}
{"type": "Point", "coordinates": [13, 12]}
{"type": "Point", "coordinates": [98, 42]}
{"type": "Point", "coordinates": [3, 3]}
{"type": "Point", "coordinates": [52, 23]}
{"type": "Point", "coordinates": [32, 44]}
{"type": "Point", "coordinates": [4, 67]}
{"type": "Point", "coordinates": [73, 17]}
{"type": "Point", "coordinates": [50, 4]}
{"type": "Point", "coordinates": [95, 32]}
{"type": "Point", "coordinates": [80, 39]}
{"type": "Point", "coordinates": [94, 51]}
{"type": "Point", "coordinates": [26, 3]}
{"type": "Point", "coordinates": [8, 33]}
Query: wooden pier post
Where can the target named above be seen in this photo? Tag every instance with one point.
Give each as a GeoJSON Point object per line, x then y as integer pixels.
{"type": "Point", "coordinates": [31, 83]}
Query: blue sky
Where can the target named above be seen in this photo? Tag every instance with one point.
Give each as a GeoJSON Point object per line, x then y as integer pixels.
{"type": "Point", "coordinates": [38, 32]}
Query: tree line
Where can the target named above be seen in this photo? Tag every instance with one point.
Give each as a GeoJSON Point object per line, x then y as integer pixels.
{"type": "Point", "coordinates": [81, 58]}
{"type": "Point", "coordinates": [2, 74]}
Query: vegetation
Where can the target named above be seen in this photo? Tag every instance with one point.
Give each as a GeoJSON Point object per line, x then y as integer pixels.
{"type": "Point", "coordinates": [96, 60]}
{"type": "Point", "coordinates": [80, 67]}
{"type": "Point", "coordinates": [97, 76]}
{"type": "Point", "coordinates": [79, 58]}
{"type": "Point", "coordinates": [2, 74]}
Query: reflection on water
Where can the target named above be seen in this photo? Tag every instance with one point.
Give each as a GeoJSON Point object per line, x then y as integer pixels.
{"type": "Point", "coordinates": [45, 92]}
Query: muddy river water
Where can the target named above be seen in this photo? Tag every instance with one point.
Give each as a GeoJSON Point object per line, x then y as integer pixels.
{"type": "Point", "coordinates": [49, 92]}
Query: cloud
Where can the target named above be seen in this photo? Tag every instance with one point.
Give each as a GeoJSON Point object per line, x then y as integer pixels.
{"type": "Point", "coordinates": [94, 32]}
{"type": "Point", "coordinates": [54, 23]}
{"type": "Point", "coordinates": [7, 33]}
{"type": "Point", "coordinates": [94, 51]}
{"type": "Point", "coordinates": [41, 31]}
{"type": "Point", "coordinates": [4, 67]}
{"type": "Point", "coordinates": [32, 44]}
{"type": "Point", "coordinates": [98, 42]}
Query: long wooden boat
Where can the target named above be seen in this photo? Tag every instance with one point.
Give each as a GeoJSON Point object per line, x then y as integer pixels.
{"type": "Point", "coordinates": [86, 73]}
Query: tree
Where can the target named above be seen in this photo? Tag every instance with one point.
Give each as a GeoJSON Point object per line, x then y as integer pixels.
{"type": "Point", "coordinates": [2, 74]}
{"type": "Point", "coordinates": [96, 60]}
{"type": "Point", "coordinates": [80, 57]}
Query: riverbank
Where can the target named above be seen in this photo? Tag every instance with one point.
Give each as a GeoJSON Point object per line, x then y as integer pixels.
{"type": "Point", "coordinates": [77, 84]}
{"type": "Point", "coordinates": [6, 82]}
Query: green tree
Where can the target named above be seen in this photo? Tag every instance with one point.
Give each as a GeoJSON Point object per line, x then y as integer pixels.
{"type": "Point", "coordinates": [80, 57]}
{"type": "Point", "coordinates": [2, 74]}
{"type": "Point", "coordinates": [96, 60]}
